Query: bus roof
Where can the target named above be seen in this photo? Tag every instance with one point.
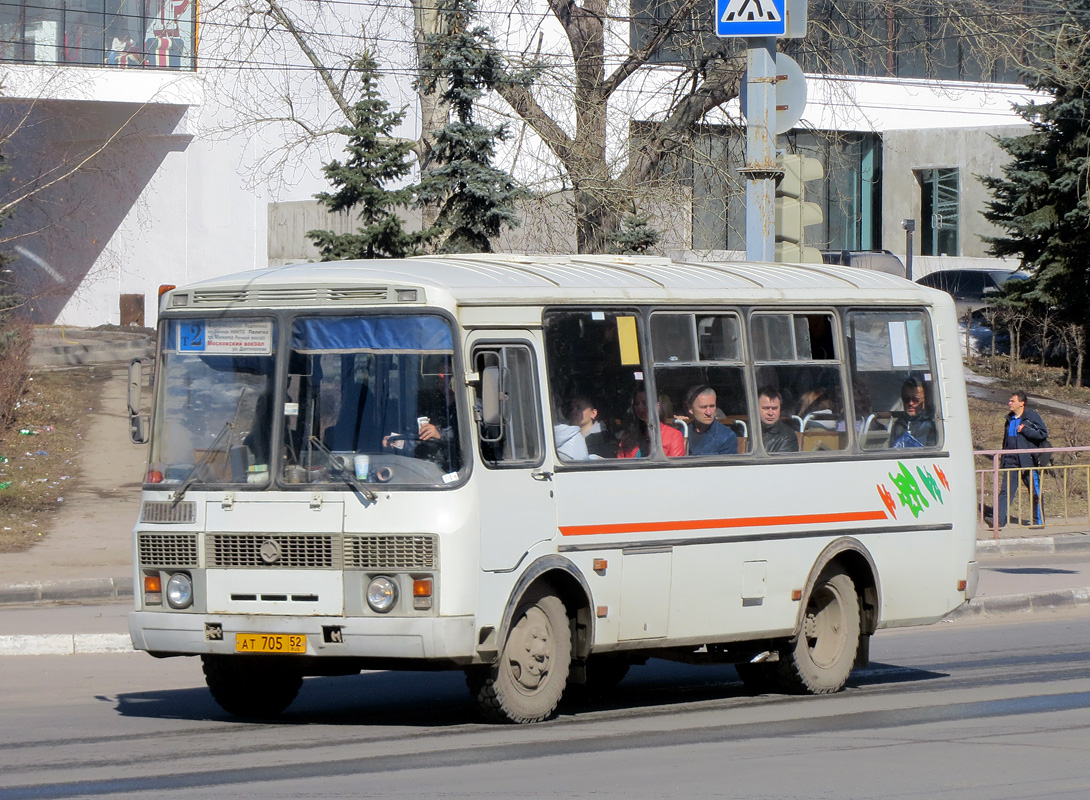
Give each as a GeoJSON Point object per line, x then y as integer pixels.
{"type": "Point", "coordinates": [507, 279]}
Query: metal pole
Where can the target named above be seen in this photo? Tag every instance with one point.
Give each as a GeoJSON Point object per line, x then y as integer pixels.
{"type": "Point", "coordinates": [760, 170]}
{"type": "Point", "coordinates": [910, 226]}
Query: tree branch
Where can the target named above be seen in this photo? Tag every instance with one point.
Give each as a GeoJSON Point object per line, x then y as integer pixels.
{"type": "Point", "coordinates": [638, 58]}
{"type": "Point", "coordinates": [288, 24]}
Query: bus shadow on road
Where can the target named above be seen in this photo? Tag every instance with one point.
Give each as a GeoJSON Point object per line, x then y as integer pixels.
{"type": "Point", "coordinates": [424, 699]}
{"type": "Point", "coordinates": [878, 674]}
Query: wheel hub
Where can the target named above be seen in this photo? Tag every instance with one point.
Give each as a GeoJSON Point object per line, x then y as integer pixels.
{"type": "Point", "coordinates": [531, 647]}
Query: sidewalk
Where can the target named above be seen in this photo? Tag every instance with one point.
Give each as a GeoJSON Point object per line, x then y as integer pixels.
{"type": "Point", "coordinates": [87, 558]}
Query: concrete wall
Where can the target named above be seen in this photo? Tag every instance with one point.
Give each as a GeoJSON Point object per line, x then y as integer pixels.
{"type": "Point", "coordinates": [972, 150]}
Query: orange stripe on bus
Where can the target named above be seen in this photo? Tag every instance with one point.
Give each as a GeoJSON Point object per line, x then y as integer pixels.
{"type": "Point", "coordinates": [706, 524]}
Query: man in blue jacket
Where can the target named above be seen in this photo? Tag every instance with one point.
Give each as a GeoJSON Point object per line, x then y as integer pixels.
{"type": "Point", "coordinates": [1023, 430]}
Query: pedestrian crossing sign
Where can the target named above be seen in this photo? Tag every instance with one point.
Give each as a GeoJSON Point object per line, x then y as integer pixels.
{"type": "Point", "coordinates": [750, 17]}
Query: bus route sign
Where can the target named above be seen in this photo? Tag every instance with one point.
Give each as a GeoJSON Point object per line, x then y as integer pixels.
{"type": "Point", "coordinates": [750, 18]}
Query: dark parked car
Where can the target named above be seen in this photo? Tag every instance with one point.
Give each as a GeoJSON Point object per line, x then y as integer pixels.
{"type": "Point", "coordinates": [879, 260]}
{"type": "Point", "coordinates": [971, 288]}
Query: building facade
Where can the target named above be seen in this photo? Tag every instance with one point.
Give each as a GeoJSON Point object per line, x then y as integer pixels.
{"type": "Point", "coordinates": [131, 166]}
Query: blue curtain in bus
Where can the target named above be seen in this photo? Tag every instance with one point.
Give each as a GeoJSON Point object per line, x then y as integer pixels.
{"type": "Point", "coordinates": [366, 414]}
{"type": "Point", "coordinates": [412, 334]}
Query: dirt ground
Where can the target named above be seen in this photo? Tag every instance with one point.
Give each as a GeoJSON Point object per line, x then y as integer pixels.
{"type": "Point", "coordinates": [40, 464]}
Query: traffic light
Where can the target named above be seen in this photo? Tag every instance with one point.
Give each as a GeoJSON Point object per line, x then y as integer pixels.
{"type": "Point", "coordinates": [793, 213]}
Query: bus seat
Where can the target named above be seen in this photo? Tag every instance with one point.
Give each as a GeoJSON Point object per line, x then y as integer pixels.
{"type": "Point", "coordinates": [818, 439]}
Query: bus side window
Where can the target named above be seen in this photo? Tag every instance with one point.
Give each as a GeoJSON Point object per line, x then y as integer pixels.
{"type": "Point", "coordinates": [796, 355]}
{"type": "Point", "coordinates": [594, 362]}
{"type": "Point", "coordinates": [894, 387]}
{"type": "Point", "coordinates": [702, 352]}
{"type": "Point", "coordinates": [512, 437]}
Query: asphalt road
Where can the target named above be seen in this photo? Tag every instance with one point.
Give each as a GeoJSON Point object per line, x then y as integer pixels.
{"type": "Point", "coordinates": [962, 709]}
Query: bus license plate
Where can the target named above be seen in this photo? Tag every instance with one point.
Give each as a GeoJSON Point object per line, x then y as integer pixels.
{"type": "Point", "coordinates": [270, 643]}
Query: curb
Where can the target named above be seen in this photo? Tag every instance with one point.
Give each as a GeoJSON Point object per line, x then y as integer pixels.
{"type": "Point", "coordinates": [73, 591]}
{"type": "Point", "coordinates": [1033, 545]}
{"type": "Point", "coordinates": [995, 605]}
{"type": "Point", "coordinates": [65, 644]}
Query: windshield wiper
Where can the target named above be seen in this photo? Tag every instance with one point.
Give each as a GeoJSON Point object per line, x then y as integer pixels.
{"type": "Point", "coordinates": [209, 453]}
{"type": "Point", "coordinates": [336, 464]}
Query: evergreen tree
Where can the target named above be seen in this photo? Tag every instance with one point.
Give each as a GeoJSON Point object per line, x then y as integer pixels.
{"type": "Point", "coordinates": [635, 237]}
{"type": "Point", "coordinates": [374, 160]}
{"type": "Point", "coordinates": [475, 199]}
{"type": "Point", "coordinates": [1041, 200]}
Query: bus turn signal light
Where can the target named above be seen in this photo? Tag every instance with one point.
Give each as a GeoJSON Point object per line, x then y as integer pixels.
{"type": "Point", "coordinates": [153, 590]}
{"type": "Point", "coordinates": [422, 594]}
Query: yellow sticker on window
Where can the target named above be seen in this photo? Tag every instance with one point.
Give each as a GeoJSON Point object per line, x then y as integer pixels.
{"type": "Point", "coordinates": [627, 339]}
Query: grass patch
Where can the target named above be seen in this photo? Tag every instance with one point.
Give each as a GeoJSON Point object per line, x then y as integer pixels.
{"type": "Point", "coordinates": [41, 469]}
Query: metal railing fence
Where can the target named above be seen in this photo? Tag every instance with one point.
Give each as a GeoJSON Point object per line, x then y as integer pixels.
{"type": "Point", "coordinates": [1062, 488]}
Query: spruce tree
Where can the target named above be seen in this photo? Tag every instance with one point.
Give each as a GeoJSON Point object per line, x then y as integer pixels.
{"type": "Point", "coordinates": [635, 236]}
{"type": "Point", "coordinates": [374, 161]}
{"type": "Point", "coordinates": [1041, 201]}
{"type": "Point", "coordinates": [475, 199]}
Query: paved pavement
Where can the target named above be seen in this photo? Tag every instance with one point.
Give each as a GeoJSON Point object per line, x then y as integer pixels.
{"type": "Point", "coordinates": [71, 592]}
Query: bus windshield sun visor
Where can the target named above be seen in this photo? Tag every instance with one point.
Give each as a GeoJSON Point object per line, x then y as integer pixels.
{"type": "Point", "coordinates": [393, 333]}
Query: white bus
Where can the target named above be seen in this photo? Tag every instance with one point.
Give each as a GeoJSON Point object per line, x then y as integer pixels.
{"type": "Point", "coordinates": [541, 470]}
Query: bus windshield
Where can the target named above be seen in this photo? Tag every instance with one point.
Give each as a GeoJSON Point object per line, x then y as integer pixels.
{"type": "Point", "coordinates": [215, 387]}
{"type": "Point", "coordinates": [371, 399]}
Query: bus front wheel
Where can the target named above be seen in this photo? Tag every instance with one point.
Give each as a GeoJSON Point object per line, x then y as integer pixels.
{"type": "Point", "coordinates": [528, 678]}
{"type": "Point", "coordinates": [251, 686]}
{"type": "Point", "coordinates": [820, 659]}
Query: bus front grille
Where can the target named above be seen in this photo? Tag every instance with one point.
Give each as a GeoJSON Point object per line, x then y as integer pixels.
{"type": "Point", "coordinates": [168, 549]}
{"type": "Point", "coordinates": [164, 512]}
{"type": "Point", "coordinates": [415, 551]}
{"type": "Point", "coordinates": [272, 550]}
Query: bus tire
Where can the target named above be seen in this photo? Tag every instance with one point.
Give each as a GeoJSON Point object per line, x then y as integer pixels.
{"type": "Point", "coordinates": [820, 659]}
{"type": "Point", "coordinates": [528, 677]}
{"type": "Point", "coordinates": [249, 686]}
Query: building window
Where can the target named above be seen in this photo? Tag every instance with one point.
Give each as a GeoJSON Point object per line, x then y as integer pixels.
{"type": "Point", "coordinates": [850, 194]}
{"type": "Point", "coordinates": [140, 34]}
{"type": "Point", "coordinates": [925, 39]}
{"type": "Point", "coordinates": [939, 210]}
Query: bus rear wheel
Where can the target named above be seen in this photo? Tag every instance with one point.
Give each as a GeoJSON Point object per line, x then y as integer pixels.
{"type": "Point", "coordinates": [251, 686]}
{"type": "Point", "coordinates": [528, 678]}
{"type": "Point", "coordinates": [820, 659]}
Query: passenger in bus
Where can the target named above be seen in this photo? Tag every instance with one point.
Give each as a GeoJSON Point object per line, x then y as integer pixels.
{"type": "Point", "coordinates": [915, 425]}
{"type": "Point", "coordinates": [636, 437]}
{"type": "Point", "coordinates": [570, 445]}
{"type": "Point", "coordinates": [777, 435]}
{"type": "Point", "coordinates": [707, 436]}
{"type": "Point", "coordinates": [583, 412]}
{"type": "Point", "coordinates": [434, 442]}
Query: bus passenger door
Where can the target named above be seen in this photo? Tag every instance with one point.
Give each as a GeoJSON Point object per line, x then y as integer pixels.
{"type": "Point", "coordinates": [514, 476]}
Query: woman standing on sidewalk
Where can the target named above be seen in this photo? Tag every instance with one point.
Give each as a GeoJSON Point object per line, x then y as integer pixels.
{"type": "Point", "coordinates": [1023, 430]}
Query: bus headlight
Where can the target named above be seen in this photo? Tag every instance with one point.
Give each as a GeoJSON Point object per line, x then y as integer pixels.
{"type": "Point", "coordinates": [180, 590]}
{"type": "Point", "coordinates": [381, 594]}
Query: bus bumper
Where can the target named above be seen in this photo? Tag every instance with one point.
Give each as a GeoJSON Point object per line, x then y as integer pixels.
{"type": "Point", "coordinates": [431, 638]}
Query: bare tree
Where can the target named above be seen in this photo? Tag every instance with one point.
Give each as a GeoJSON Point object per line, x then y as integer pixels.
{"type": "Point", "coordinates": [610, 100]}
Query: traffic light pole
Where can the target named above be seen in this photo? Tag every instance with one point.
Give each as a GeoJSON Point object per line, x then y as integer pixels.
{"type": "Point", "coordinates": [760, 170]}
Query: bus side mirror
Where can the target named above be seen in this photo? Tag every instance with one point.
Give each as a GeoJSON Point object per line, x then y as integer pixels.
{"type": "Point", "coordinates": [138, 428]}
{"type": "Point", "coordinates": [138, 423]}
{"type": "Point", "coordinates": [490, 396]}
